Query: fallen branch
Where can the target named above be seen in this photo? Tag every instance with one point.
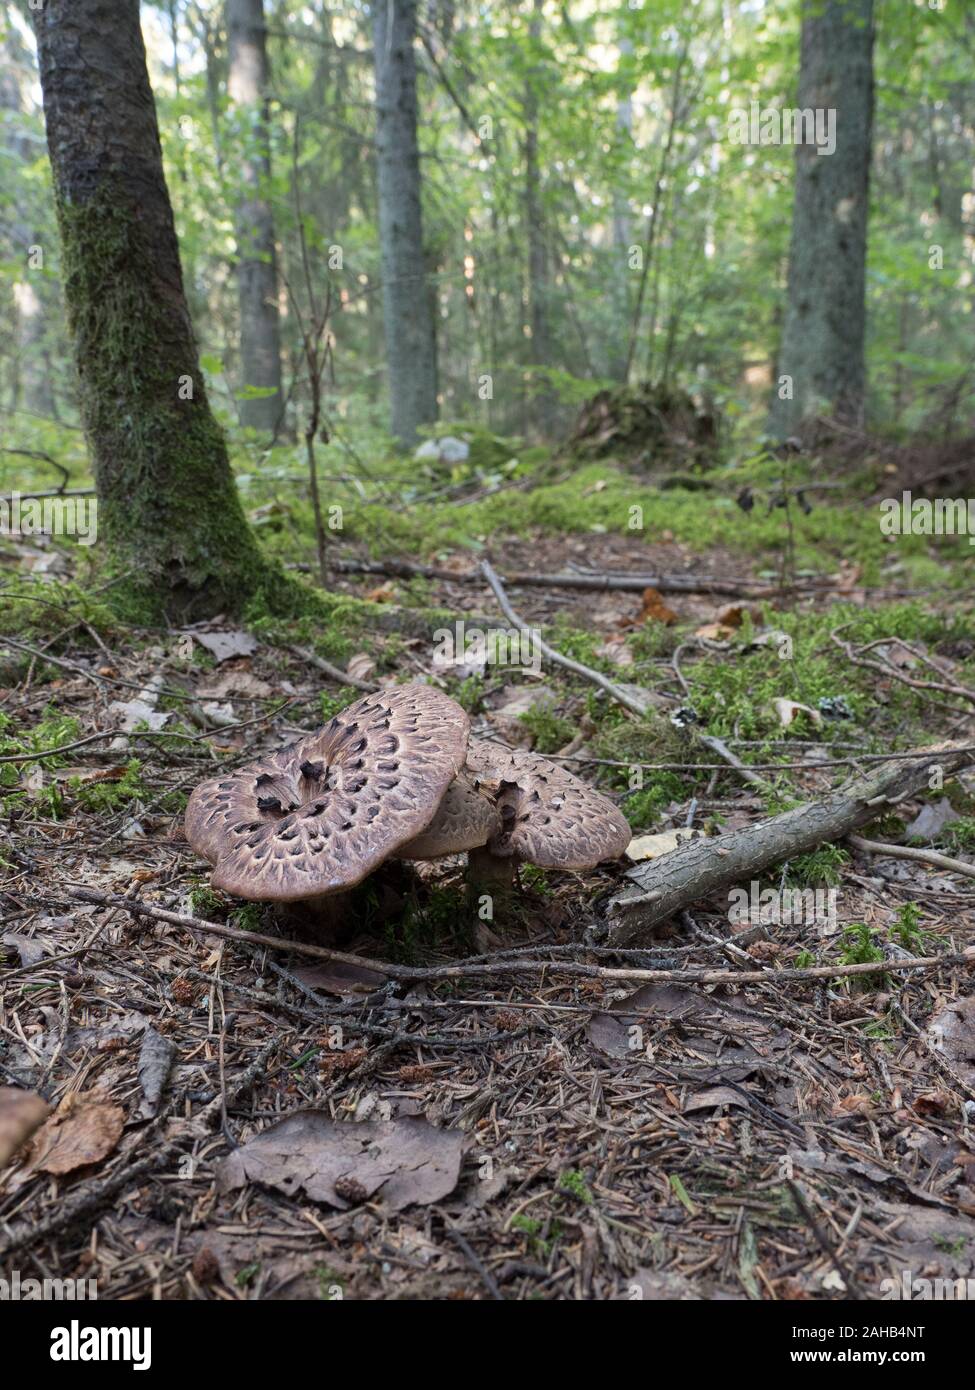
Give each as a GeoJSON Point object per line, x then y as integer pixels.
{"type": "Point", "coordinates": [922, 856]}
{"type": "Point", "coordinates": [890, 672]}
{"type": "Point", "coordinates": [632, 697]}
{"type": "Point", "coordinates": [488, 967]}
{"type": "Point", "coordinates": [625, 583]}
{"type": "Point", "coordinates": [664, 886]}
{"type": "Point", "coordinates": [97, 1194]}
{"type": "Point", "coordinates": [334, 673]}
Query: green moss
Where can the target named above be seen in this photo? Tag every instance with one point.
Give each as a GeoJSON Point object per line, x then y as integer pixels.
{"type": "Point", "coordinates": [820, 866]}
{"type": "Point", "coordinates": [603, 497]}
{"type": "Point", "coordinates": [549, 730]}
{"type": "Point", "coordinates": [168, 504]}
{"type": "Point", "coordinates": [330, 705]}
{"type": "Point", "coordinates": [109, 795]}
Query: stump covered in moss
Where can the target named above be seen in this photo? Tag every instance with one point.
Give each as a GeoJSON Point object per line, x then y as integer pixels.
{"type": "Point", "coordinates": [646, 424]}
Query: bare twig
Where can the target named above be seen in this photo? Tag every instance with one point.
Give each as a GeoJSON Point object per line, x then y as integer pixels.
{"type": "Point", "coordinates": [921, 856]}
{"type": "Point", "coordinates": [490, 967]}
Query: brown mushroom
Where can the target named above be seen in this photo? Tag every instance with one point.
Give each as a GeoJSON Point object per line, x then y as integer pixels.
{"type": "Point", "coordinates": [548, 817]}
{"type": "Point", "coordinates": [316, 818]}
{"type": "Point", "coordinates": [465, 820]}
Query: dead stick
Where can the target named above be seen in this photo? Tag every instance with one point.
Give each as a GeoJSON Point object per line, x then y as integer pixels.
{"type": "Point", "coordinates": [520, 967]}
{"type": "Point", "coordinates": [922, 856]}
{"type": "Point", "coordinates": [622, 695]}
{"type": "Point", "coordinates": [664, 886]}
{"type": "Point", "coordinates": [625, 583]}
{"type": "Point", "coordinates": [100, 1192]}
{"type": "Point", "coordinates": [630, 696]}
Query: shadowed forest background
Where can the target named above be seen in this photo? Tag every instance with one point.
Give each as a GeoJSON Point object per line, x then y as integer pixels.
{"type": "Point", "coordinates": [589, 218]}
{"type": "Point", "coordinates": [568, 411]}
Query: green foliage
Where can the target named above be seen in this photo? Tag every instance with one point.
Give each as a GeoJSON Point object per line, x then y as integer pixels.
{"type": "Point", "coordinates": [959, 835]}
{"type": "Point", "coordinates": [205, 902]}
{"type": "Point", "coordinates": [109, 795]}
{"type": "Point", "coordinates": [247, 917]}
{"type": "Point", "coordinates": [858, 946]}
{"type": "Point", "coordinates": [822, 865]}
{"type": "Point", "coordinates": [26, 784]}
{"type": "Point", "coordinates": [469, 693]}
{"type": "Point", "coordinates": [574, 1182]}
{"type": "Point", "coordinates": [642, 808]}
{"type": "Point", "coordinates": [550, 731]}
{"type": "Point", "coordinates": [439, 915]}
{"type": "Point", "coordinates": [907, 931]}
{"type": "Point", "coordinates": [330, 704]}
{"type": "Point", "coordinates": [534, 879]}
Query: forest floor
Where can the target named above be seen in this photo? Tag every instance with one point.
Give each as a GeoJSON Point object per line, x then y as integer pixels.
{"type": "Point", "coordinates": [529, 1134]}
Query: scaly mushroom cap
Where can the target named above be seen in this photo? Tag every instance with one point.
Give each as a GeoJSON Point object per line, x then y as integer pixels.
{"type": "Point", "coordinates": [549, 817]}
{"type": "Point", "coordinates": [465, 820]}
{"type": "Point", "coordinates": [319, 816]}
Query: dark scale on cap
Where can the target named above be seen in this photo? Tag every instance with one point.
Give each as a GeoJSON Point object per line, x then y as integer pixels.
{"type": "Point", "coordinates": [311, 829]}
{"type": "Point", "coordinates": [548, 816]}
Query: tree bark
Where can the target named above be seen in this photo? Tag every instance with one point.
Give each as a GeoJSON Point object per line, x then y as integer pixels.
{"type": "Point", "coordinates": [821, 361]}
{"type": "Point", "coordinates": [543, 409]}
{"type": "Point", "coordinates": [661, 887]}
{"type": "Point", "coordinates": [168, 504]}
{"type": "Point", "coordinates": [33, 293]}
{"type": "Point", "coordinates": [622, 231]}
{"type": "Point", "coordinates": [411, 348]}
{"type": "Point", "coordinates": [248, 79]}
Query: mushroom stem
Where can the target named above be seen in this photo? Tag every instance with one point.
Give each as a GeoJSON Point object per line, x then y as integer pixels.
{"type": "Point", "coordinates": [489, 875]}
{"type": "Point", "coordinates": [325, 916]}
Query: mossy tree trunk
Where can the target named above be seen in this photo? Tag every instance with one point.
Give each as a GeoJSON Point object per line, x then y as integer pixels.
{"type": "Point", "coordinates": [168, 505]}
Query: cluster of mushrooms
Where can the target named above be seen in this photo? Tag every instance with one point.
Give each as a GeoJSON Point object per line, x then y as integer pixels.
{"type": "Point", "coordinates": [396, 775]}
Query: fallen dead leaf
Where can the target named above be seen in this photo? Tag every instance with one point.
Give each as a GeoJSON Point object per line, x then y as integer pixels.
{"type": "Point", "coordinates": [398, 1162]}
{"type": "Point", "coordinates": [723, 626]}
{"type": "Point", "coordinates": [952, 1033]}
{"type": "Point", "coordinates": [132, 713]}
{"type": "Point", "coordinates": [713, 1097]}
{"type": "Point", "coordinates": [223, 645]}
{"type": "Point", "coordinates": [788, 710]}
{"type": "Point", "coordinates": [83, 1130]}
{"type": "Point", "coordinates": [236, 683]}
{"type": "Point", "coordinates": [29, 948]}
{"type": "Point", "coordinates": [654, 609]}
{"type": "Point", "coordinates": [340, 978]}
{"type": "Point", "coordinates": [653, 846]}
{"type": "Point", "coordinates": [155, 1059]}
{"type": "Point", "coordinates": [931, 820]}
{"type": "Point", "coordinates": [361, 665]}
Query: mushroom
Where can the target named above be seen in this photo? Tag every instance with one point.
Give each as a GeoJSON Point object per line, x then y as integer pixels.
{"type": "Point", "coordinates": [465, 820]}
{"type": "Point", "coordinates": [545, 816]}
{"type": "Point", "coordinates": [316, 818]}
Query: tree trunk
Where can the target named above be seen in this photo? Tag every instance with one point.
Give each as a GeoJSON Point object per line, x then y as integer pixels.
{"type": "Point", "coordinates": [543, 403]}
{"type": "Point", "coordinates": [411, 348]}
{"type": "Point", "coordinates": [257, 276]}
{"type": "Point", "coordinates": [32, 293]}
{"type": "Point", "coordinates": [622, 231]}
{"type": "Point", "coordinates": [661, 887]}
{"type": "Point", "coordinates": [821, 360]}
{"type": "Point", "coordinates": [168, 504]}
